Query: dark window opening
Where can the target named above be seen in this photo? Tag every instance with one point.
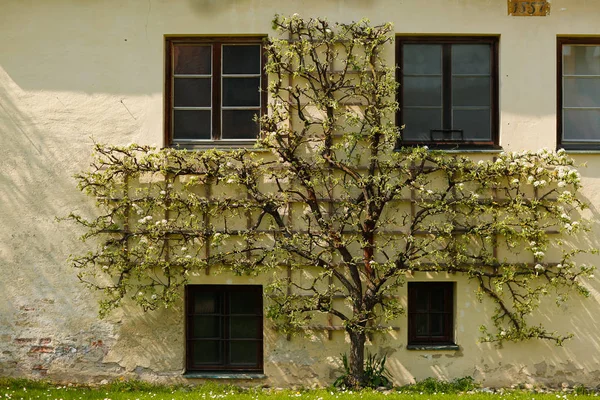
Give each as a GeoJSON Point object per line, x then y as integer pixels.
{"type": "Point", "coordinates": [448, 93]}
{"type": "Point", "coordinates": [214, 89]}
{"type": "Point", "coordinates": [578, 113]}
{"type": "Point", "coordinates": [430, 313]}
{"type": "Point", "coordinates": [224, 328]}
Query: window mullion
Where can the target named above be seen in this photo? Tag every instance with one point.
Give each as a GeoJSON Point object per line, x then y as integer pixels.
{"type": "Point", "coordinates": [447, 86]}
{"type": "Point", "coordinates": [226, 333]}
{"type": "Point", "coordinates": [216, 88]}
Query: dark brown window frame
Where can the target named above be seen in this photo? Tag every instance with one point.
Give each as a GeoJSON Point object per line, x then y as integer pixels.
{"type": "Point", "coordinates": [190, 290]}
{"type": "Point", "coordinates": [447, 338]}
{"type": "Point", "coordinates": [560, 143]}
{"type": "Point", "coordinates": [493, 41]}
{"type": "Point", "coordinates": [217, 42]}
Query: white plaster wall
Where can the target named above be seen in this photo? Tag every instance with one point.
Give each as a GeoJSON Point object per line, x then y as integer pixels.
{"type": "Point", "coordinates": [72, 72]}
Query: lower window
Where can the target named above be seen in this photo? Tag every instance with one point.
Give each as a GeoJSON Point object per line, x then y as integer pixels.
{"type": "Point", "coordinates": [430, 313]}
{"type": "Point", "coordinates": [224, 328]}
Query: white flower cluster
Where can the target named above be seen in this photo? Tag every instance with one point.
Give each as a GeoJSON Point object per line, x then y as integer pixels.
{"type": "Point", "coordinates": [145, 220]}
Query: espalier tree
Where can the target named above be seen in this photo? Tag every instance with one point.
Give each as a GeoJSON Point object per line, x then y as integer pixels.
{"type": "Point", "coordinates": [328, 192]}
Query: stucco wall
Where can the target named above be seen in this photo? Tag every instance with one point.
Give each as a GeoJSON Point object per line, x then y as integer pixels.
{"type": "Point", "coordinates": [72, 72]}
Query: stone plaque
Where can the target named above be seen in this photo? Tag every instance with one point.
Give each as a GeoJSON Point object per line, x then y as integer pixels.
{"type": "Point", "coordinates": [527, 8]}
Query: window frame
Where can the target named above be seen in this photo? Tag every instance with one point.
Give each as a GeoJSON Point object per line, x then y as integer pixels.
{"type": "Point", "coordinates": [493, 41]}
{"type": "Point", "coordinates": [447, 338]}
{"type": "Point", "coordinates": [217, 43]}
{"type": "Point", "coordinates": [223, 290]}
{"type": "Point", "coordinates": [560, 143]}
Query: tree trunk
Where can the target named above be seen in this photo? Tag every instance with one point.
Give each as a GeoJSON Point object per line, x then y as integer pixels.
{"type": "Point", "coordinates": [357, 358]}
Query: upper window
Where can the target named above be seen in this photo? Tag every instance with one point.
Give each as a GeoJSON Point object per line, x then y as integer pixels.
{"type": "Point", "coordinates": [448, 91]}
{"type": "Point", "coordinates": [224, 328]}
{"type": "Point", "coordinates": [579, 93]}
{"type": "Point", "coordinates": [213, 88]}
{"type": "Point", "coordinates": [430, 313]}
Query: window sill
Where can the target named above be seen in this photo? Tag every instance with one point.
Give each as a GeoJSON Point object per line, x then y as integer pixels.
{"type": "Point", "coordinates": [461, 150]}
{"type": "Point", "coordinates": [217, 145]}
{"type": "Point", "coordinates": [224, 375]}
{"type": "Point", "coordinates": [451, 347]}
{"type": "Point", "coordinates": [582, 151]}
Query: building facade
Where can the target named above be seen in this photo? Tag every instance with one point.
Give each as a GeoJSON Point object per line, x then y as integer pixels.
{"type": "Point", "coordinates": [117, 72]}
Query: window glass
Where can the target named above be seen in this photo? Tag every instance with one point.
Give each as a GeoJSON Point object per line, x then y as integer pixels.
{"type": "Point", "coordinates": [239, 124]}
{"type": "Point", "coordinates": [192, 124]}
{"type": "Point", "coordinates": [190, 92]}
{"type": "Point", "coordinates": [241, 92]}
{"type": "Point", "coordinates": [213, 89]}
{"type": "Point", "coordinates": [224, 328]}
{"type": "Point", "coordinates": [581, 59]}
{"type": "Point", "coordinates": [192, 59]}
{"type": "Point", "coordinates": [579, 94]}
{"type": "Point", "coordinates": [430, 313]}
{"type": "Point", "coordinates": [471, 59]}
{"type": "Point", "coordinates": [240, 59]}
{"type": "Point", "coordinates": [243, 353]}
{"type": "Point", "coordinates": [422, 59]}
{"type": "Point", "coordinates": [471, 91]}
{"type": "Point", "coordinates": [448, 90]}
{"type": "Point", "coordinates": [422, 91]}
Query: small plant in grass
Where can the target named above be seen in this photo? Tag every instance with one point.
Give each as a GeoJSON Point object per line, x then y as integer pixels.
{"type": "Point", "coordinates": [432, 385]}
{"type": "Point", "coordinates": [376, 374]}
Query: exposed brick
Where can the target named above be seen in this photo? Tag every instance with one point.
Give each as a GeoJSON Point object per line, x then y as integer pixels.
{"type": "Point", "coordinates": [41, 349]}
{"type": "Point", "coordinates": [46, 340]}
{"type": "Point", "coordinates": [40, 369]}
{"type": "Point", "coordinates": [24, 340]}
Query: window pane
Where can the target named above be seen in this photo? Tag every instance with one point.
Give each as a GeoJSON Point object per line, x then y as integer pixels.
{"type": "Point", "coordinates": [436, 300]}
{"type": "Point", "coordinates": [241, 59]}
{"type": "Point", "coordinates": [471, 91]}
{"type": "Point", "coordinates": [581, 60]}
{"type": "Point", "coordinates": [191, 124]}
{"type": "Point", "coordinates": [239, 124]}
{"type": "Point", "coordinates": [206, 327]}
{"type": "Point", "coordinates": [436, 324]}
{"type": "Point", "coordinates": [581, 92]}
{"type": "Point", "coordinates": [192, 92]}
{"type": "Point", "coordinates": [421, 321]}
{"type": "Point", "coordinates": [206, 352]}
{"type": "Point", "coordinates": [581, 125]}
{"type": "Point", "coordinates": [470, 59]}
{"type": "Point", "coordinates": [206, 303]}
{"type": "Point", "coordinates": [245, 302]}
{"type": "Point", "coordinates": [422, 59]}
{"type": "Point", "coordinates": [243, 353]}
{"type": "Point", "coordinates": [419, 121]}
{"type": "Point", "coordinates": [241, 92]}
{"type": "Point", "coordinates": [244, 327]}
{"type": "Point", "coordinates": [422, 91]}
{"type": "Point", "coordinates": [422, 301]}
{"type": "Point", "coordinates": [476, 124]}
{"type": "Point", "coordinates": [192, 59]}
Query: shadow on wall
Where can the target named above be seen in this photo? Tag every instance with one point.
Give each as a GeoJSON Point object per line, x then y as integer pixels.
{"type": "Point", "coordinates": [46, 316]}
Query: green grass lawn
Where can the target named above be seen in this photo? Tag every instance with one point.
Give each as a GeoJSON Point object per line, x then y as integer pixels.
{"type": "Point", "coordinates": [24, 389]}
